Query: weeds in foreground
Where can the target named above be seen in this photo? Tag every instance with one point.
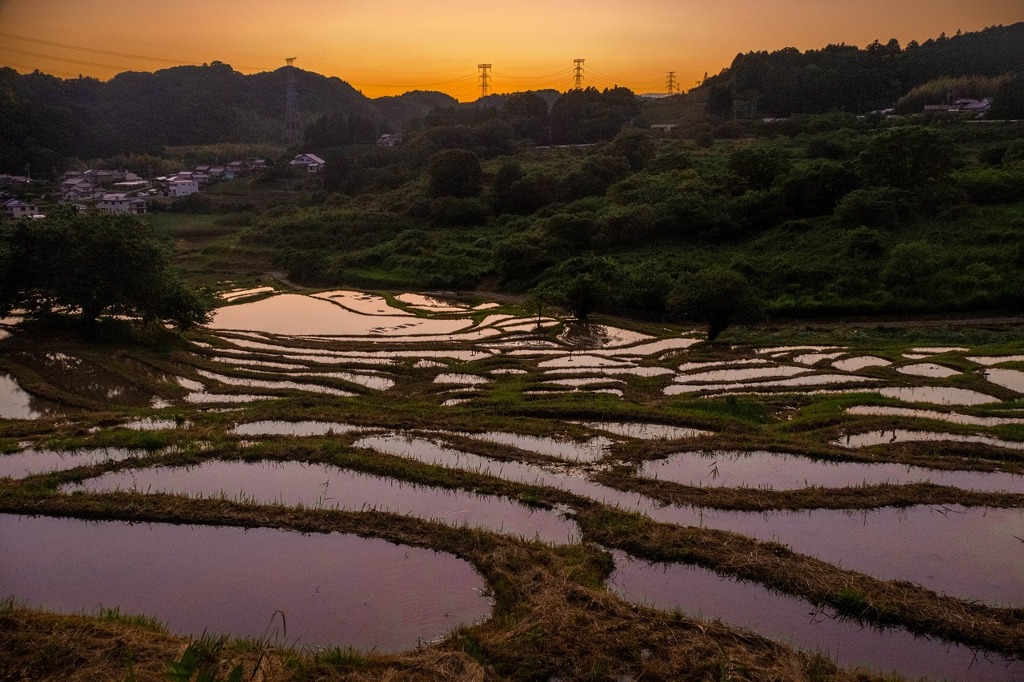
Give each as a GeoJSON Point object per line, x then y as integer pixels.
{"type": "Point", "coordinates": [200, 662]}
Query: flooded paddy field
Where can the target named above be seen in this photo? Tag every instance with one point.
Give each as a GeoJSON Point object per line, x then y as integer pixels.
{"type": "Point", "coordinates": [698, 591]}
{"type": "Point", "coordinates": [369, 593]}
{"type": "Point", "coordinates": [322, 487]}
{"type": "Point", "coordinates": [550, 463]}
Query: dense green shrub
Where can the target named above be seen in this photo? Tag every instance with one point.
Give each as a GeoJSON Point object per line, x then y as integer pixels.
{"type": "Point", "coordinates": [875, 206]}
{"type": "Point", "coordinates": [991, 185]}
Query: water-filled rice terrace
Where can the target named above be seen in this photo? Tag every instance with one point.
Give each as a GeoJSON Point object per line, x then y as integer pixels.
{"type": "Point", "coordinates": [421, 487]}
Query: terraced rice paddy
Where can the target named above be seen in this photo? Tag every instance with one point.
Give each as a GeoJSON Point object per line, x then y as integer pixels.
{"type": "Point", "coordinates": [376, 472]}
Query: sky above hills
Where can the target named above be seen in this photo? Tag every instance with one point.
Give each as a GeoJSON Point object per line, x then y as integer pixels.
{"type": "Point", "coordinates": [386, 48]}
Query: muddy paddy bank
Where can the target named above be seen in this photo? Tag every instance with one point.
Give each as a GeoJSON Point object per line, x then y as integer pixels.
{"type": "Point", "coordinates": [356, 427]}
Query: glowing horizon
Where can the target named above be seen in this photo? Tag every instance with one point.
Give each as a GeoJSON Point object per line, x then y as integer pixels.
{"type": "Point", "coordinates": [406, 45]}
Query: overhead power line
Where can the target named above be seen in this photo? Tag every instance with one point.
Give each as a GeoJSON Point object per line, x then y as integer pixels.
{"type": "Point", "coordinates": [65, 59]}
{"type": "Point", "coordinates": [52, 72]}
{"type": "Point", "coordinates": [69, 46]}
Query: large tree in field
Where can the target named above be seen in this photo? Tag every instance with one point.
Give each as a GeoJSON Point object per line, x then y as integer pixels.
{"type": "Point", "coordinates": [906, 157]}
{"type": "Point", "coordinates": [718, 297]}
{"type": "Point", "coordinates": [93, 264]}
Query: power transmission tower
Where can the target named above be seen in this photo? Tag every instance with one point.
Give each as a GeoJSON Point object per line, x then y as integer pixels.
{"type": "Point", "coordinates": [578, 73]}
{"type": "Point", "coordinates": [485, 78]}
{"type": "Point", "coordinates": [673, 87]}
{"type": "Point", "coordinates": [291, 106]}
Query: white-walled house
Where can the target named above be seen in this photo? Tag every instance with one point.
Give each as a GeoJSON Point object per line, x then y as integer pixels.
{"type": "Point", "coordinates": [311, 162]}
{"type": "Point", "coordinates": [182, 187]}
{"type": "Point", "coordinates": [121, 204]}
{"type": "Point", "coordinates": [16, 208]}
{"type": "Point", "coordinates": [76, 189]}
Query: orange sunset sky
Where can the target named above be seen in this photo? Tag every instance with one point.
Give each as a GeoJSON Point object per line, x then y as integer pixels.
{"type": "Point", "coordinates": [386, 48]}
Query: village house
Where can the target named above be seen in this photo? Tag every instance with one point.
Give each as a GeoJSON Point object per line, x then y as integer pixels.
{"type": "Point", "coordinates": [119, 203]}
{"type": "Point", "coordinates": [76, 189]}
{"type": "Point", "coordinates": [389, 139]}
{"type": "Point", "coordinates": [16, 208]}
{"type": "Point", "coordinates": [311, 162]}
{"type": "Point", "coordinates": [236, 169]}
{"type": "Point", "coordinates": [7, 180]}
{"type": "Point", "coordinates": [182, 186]}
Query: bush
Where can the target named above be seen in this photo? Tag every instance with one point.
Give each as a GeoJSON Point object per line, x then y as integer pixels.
{"type": "Point", "coordinates": [816, 189]}
{"type": "Point", "coordinates": [875, 206]}
{"type": "Point", "coordinates": [704, 139]}
{"type": "Point", "coordinates": [906, 157]}
{"type": "Point", "coordinates": [458, 211]}
{"type": "Point", "coordinates": [455, 173]}
{"type": "Point", "coordinates": [991, 185]}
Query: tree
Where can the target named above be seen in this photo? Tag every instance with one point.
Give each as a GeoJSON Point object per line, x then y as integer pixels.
{"type": "Point", "coordinates": [94, 264]}
{"type": "Point", "coordinates": [455, 173]}
{"type": "Point", "coordinates": [580, 284]}
{"type": "Point", "coordinates": [906, 157]}
{"type": "Point", "coordinates": [716, 296]}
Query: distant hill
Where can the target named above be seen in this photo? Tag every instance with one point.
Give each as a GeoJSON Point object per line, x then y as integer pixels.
{"type": "Point", "coordinates": [44, 118]}
{"type": "Point", "coordinates": [497, 101]}
{"type": "Point", "coordinates": [399, 110]}
{"type": "Point", "coordinates": [847, 78]}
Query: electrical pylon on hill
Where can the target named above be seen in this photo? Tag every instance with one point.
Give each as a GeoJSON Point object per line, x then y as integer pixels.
{"type": "Point", "coordinates": [672, 85]}
{"type": "Point", "coordinates": [485, 78]}
{"type": "Point", "coordinates": [291, 106]}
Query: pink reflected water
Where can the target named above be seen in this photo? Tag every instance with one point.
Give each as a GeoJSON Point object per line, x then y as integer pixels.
{"type": "Point", "coordinates": [333, 589]}
{"type": "Point", "coordinates": [701, 593]}
{"type": "Point", "coordinates": [30, 462]}
{"type": "Point", "coordinates": [758, 469]}
{"type": "Point", "coordinates": [16, 403]}
{"type": "Point", "coordinates": [923, 544]}
{"type": "Point", "coordinates": [294, 314]}
{"type": "Point", "coordinates": [325, 487]}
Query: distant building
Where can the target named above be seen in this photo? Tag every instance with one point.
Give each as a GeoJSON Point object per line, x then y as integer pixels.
{"type": "Point", "coordinates": [182, 186]}
{"type": "Point", "coordinates": [118, 204]}
{"type": "Point", "coordinates": [972, 105]}
{"type": "Point", "coordinates": [76, 189]}
{"type": "Point", "coordinates": [16, 208]}
{"type": "Point", "coordinates": [389, 139]}
{"type": "Point", "coordinates": [662, 128]}
{"type": "Point", "coordinates": [236, 169]}
{"type": "Point", "coordinates": [7, 180]}
{"type": "Point", "coordinates": [311, 162]}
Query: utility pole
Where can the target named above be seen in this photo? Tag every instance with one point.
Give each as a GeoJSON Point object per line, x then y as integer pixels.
{"type": "Point", "coordinates": [673, 87]}
{"type": "Point", "coordinates": [291, 106]}
{"type": "Point", "coordinates": [485, 78]}
{"type": "Point", "coordinates": [578, 74]}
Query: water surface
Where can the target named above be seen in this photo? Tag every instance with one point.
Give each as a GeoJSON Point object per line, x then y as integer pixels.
{"type": "Point", "coordinates": [335, 590]}
{"type": "Point", "coordinates": [320, 486]}
{"type": "Point", "coordinates": [31, 462]}
{"type": "Point", "coordinates": [758, 469]}
{"type": "Point", "coordinates": [701, 593]}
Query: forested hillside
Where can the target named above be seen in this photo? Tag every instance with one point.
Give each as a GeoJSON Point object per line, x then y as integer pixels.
{"type": "Point", "coordinates": [45, 119]}
{"type": "Point", "coordinates": [847, 78]}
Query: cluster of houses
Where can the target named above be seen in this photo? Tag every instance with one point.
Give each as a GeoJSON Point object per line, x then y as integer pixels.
{"type": "Point", "coordinates": [124, 192]}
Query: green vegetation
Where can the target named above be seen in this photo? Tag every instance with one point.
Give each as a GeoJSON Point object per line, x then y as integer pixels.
{"type": "Point", "coordinates": [727, 221]}
{"type": "Point", "coordinates": [831, 216]}
{"type": "Point", "coordinates": [92, 264]}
